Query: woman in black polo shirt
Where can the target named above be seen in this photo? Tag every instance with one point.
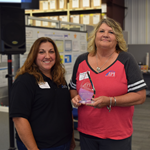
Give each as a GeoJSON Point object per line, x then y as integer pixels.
{"type": "Point", "coordinates": [40, 101]}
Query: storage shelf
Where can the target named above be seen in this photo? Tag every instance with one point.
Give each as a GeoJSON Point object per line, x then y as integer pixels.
{"type": "Point", "coordinates": [85, 11]}
{"type": "Point", "coordinates": [64, 12]}
{"type": "Point", "coordinates": [45, 11]}
{"type": "Point", "coordinates": [59, 10]}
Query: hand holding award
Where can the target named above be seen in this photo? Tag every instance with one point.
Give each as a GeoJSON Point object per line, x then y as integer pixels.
{"type": "Point", "coordinates": [87, 90]}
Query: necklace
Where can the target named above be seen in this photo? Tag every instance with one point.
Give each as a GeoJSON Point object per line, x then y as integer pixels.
{"type": "Point", "coordinates": [99, 68]}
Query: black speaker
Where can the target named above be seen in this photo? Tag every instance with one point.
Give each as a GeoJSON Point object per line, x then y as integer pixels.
{"type": "Point", "coordinates": [12, 30]}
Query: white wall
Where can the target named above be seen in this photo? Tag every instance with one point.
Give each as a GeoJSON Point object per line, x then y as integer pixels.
{"type": "Point", "coordinates": [137, 21]}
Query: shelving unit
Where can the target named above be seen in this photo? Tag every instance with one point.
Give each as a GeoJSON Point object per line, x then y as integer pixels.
{"type": "Point", "coordinates": [64, 12]}
{"type": "Point", "coordinates": [46, 12]}
{"type": "Point", "coordinates": [85, 10]}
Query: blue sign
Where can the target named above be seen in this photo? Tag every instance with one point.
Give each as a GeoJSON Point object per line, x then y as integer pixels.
{"type": "Point", "coordinates": [68, 58]}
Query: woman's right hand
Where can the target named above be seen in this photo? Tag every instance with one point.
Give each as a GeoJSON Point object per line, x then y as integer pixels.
{"type": "Point", "coordinates": [75, 101]}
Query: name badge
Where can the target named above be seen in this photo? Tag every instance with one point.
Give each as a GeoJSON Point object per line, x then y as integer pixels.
{"type": "Point", "coordinates": [44, 85]}
{"type": "Point", "coordinates": [83, 76]}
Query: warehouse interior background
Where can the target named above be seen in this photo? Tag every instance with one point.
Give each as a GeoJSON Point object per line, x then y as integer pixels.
{"type": "Point", "coordinates": [78, 18]}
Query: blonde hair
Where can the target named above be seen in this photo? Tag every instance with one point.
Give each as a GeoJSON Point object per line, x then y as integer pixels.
{"type": "Point", "coordinates": [32, 68]}
{"type": "Point", "coordinates": [121, 43]}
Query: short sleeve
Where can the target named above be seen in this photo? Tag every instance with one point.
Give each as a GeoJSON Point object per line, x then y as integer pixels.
{"type": "Point", "coordinates": [134, 75]}
{"type": "Point", "coordinates": [80, 58]}
{"type": "Point", "coordinates": [72, 83]}
{"type": "Point", "coordinates": [22, 96]}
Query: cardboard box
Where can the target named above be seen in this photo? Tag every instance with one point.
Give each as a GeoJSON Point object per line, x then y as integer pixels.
{"type": "Point", "coordinates": [104, 8]}
{"type": "Point", "coordinates": [62, 4]}
{"type": "Point", "coordinates": [85, 3]}
{"type": "Point", "coordinates": [74, 4]}
{"type": "Point", "coordinates": [85, 19]}
{"type": "Point", "coordinates": [45, 23]}
{"type": "Point", "coordinates": [37, 23]}
{"type": "Point", "coordinates": [43, 5]}
{"type": "Point", "coordinates": [53, 4]}
{"type": "Point", "coordinates": [95, 3]}
{"type": "Point", "coordinates": [30, 22]}
{"type": "Point", "coordinates": [103, 16]}
{"type": "Point", "coordinates": [95, 18]}
{"type": "Point", "coordinates": [53, 24]}
{"type": "Point", "coordinates": [63, 18]}
{"type": "Point", "coordinates": [75, 19]}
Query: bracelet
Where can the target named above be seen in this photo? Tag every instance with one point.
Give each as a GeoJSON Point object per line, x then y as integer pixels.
{"type": "Point", "coordinates": [109, 107]}
{"type": "Point", "coordinates": [114, 101]}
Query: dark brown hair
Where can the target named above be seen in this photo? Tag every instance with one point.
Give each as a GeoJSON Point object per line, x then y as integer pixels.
{"type": "Point", "coordinates": [31, 67]}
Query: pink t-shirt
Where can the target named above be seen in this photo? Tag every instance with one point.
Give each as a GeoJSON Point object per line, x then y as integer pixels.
{"type": "Point", "coordinates": [121, 77]}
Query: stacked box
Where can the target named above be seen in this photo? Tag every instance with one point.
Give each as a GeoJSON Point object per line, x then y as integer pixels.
{"type": "Point", "coordinates": [85, 19]}
{"type": "Point", "coordinates": [30, 22]}
{"type": "Point", "coordinates": [103, 16]}
{"type": "Point", "coordinates": [37, 23]}
{"type": "Point", "coordinates": [53, 4]}
{"type": "Point", "coordinates": [85, 3]}
{"type": "Point", "coordinates": [53, 24]}
{"type": "Point", "coordinates": [95, 3]}
{"type": "Point", "coordinates": [104, 8]}
{"type": "Point", "coordinates": [74, 4]}
{"type": "Point", "coordinates": [43, 5]}
{"type": "Point", "coordinates": [45, 23]}
{"type": "Point", "coordinates": [63, 18]}
{"type": "Point", "coordinates": [62, 4]}
{"type": "Point", "coordinates": [75, 19]}
{"type": "Point", "coordinates": [95, 18]}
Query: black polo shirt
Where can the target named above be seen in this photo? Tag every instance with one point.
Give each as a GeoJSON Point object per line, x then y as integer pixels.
{"type": "Point", "coordinates": [47, 108]}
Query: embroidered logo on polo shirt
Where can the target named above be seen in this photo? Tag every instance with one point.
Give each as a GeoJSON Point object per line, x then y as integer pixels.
{"type": "Point", "coordinates": [110, 74]}
{"type": "Point", "coordinates": [44, 85]}
{"type": "Point", "coordinates": [64, 86]}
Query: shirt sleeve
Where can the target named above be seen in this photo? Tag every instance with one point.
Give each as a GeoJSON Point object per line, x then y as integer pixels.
{"type": "Point", "coordinates": [80, 58]}
{"type": "Point", "coordinates": [134, 75]}
{"type": "Point", "coordinates": [22, 96]}
{"type": "Point", "coordinates": [72, 83]}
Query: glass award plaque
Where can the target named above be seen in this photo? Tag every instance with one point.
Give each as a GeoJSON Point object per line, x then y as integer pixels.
{"type": "Point", "coordinates": [87, 90]}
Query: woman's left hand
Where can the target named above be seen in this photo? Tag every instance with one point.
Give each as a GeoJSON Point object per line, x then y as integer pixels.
{"type": "Point", "coordinates": [99, 102]}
